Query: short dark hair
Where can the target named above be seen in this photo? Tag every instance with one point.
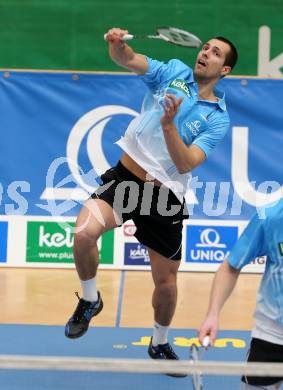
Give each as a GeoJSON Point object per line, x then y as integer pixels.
{"type": "Point", "coordinates": [232, 56]}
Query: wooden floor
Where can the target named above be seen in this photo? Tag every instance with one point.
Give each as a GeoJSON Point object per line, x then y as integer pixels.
{"type": "Point", "coordinates": [46, 296]}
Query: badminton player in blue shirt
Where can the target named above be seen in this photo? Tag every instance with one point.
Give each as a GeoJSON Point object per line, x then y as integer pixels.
{"type": "Point", "coordinates": [262, 237]}
{"type": "Point", "coordinates": [183, 118]}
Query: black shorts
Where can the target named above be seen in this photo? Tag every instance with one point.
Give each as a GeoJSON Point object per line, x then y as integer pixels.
{"type": "Point", "coordinates": [156, 211]}
{"type": "Point", "coordinates": [264, 351]}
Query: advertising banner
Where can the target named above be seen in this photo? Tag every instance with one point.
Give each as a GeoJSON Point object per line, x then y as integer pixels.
{"type": "Point", "coordinates": [68, 145]}
{"type": "Point", "coordinates": [209, 244]}
{"type": "Point", "coordinates": [52, 242]}
{"type": "Point", "coordinates": [136, 254]}
{"type": "Point", "coordinates": [60, 133]}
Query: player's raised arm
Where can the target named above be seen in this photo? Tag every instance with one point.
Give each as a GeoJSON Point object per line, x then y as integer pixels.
{"type": "Point", "coordinates": [223, 284]}
{"type": "Point", "coordinates": [123, 54]}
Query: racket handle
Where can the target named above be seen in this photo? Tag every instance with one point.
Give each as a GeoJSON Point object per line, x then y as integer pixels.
{"type": "Point", "coordinates": [126, 37]}
{"type": "Point", "coordinates": [206, 341]}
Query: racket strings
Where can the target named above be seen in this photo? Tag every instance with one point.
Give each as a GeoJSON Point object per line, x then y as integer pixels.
{"type": "Point", "coordinates": [179, 37]}
{"type": "Point", "coordinates": [196, 356]}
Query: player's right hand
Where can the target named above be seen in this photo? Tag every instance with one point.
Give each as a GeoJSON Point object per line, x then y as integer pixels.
{"type": "Point", "coordinates": [115, 35]}
{"type": "Point", "coordinates": [209, 327]}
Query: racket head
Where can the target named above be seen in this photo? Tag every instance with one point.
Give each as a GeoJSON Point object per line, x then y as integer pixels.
{"type": "Point", "coordinates": [178, 37]}
{"type": "Point", "coordinates": [195, 357]}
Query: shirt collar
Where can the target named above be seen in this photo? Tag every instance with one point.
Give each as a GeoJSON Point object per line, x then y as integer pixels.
{"type": "Point", "coordinates": [218, 93]}
{"type": "Point", "coordinates": [190, 78]}
{"type": "Point", "coordinates": [221, 99]}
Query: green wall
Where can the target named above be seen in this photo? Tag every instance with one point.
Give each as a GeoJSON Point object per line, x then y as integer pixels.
{"type": "Point", "coordinates": [68, 34]}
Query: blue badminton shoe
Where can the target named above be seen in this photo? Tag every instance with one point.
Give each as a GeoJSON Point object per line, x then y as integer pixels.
{"type": "Point", "coordinates": [164, 352]}
{"type": "Point", "coordinates": [79, 322]}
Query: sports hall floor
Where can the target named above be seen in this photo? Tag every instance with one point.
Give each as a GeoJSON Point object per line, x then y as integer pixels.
{"type": "Point", "coordinates": [37, 302]}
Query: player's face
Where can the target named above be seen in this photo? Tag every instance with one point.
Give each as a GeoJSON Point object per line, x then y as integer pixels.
{"type": "Point", "coordinates": [210, 60]}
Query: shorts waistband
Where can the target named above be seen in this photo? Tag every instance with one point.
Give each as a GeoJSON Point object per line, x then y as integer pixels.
{"type": "Point", "coordinates": [125, 174]}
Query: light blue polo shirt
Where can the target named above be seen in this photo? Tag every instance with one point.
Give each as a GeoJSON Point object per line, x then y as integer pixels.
{"type": "Point", "coordinates": [199, 122]}
{"type": "Point", "coordinates": [264, 237]}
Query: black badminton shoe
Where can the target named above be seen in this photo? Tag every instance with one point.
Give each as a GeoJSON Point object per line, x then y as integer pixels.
{"type": "Point", "coordinates": [164, 352]}
{"type": "Point", "coordinates": [79, 322]}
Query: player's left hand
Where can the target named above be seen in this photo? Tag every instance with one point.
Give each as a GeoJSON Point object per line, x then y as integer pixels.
{"type": "Point", "coordinates": [171, 106]}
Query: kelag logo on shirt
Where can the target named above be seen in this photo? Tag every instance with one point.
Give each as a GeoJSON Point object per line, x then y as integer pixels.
{"type": "Point", "coordinates": [181, 85]}
{"type": "Point", "coordinates": [209, 244]}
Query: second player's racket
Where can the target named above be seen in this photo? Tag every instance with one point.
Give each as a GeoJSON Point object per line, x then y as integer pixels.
{"type": "Point", "coordinates": [195, 355]}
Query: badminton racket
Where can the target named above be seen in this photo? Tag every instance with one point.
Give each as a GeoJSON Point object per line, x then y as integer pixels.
{"type": "Point", "coordinates": [196, 355]}
{"type": "Point", "coordinates": [169, 34]}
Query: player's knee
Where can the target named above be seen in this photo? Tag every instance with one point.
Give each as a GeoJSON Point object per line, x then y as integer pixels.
{"type": "Point", "coordinates": [164, 279]}
{"type": "Point", "coordinates": [167, 290]}
{"type": "Point", "coordinates": [85, 239]}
